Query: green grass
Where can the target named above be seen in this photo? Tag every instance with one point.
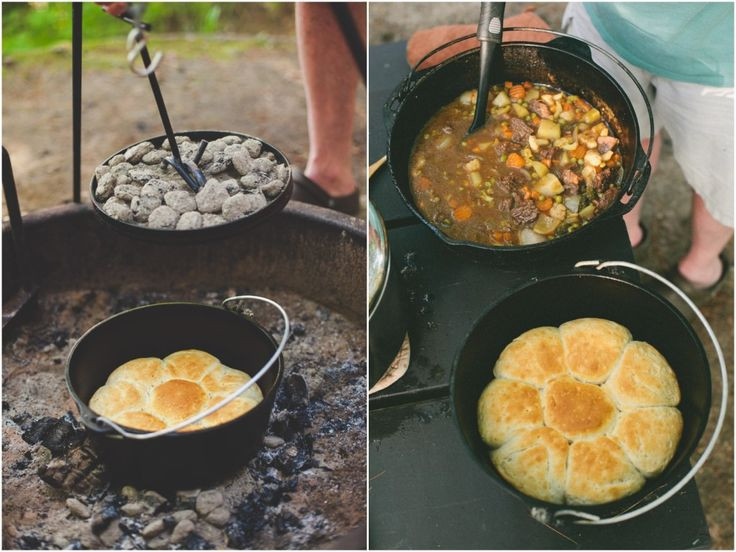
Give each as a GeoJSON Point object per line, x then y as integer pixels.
{"type": "Point", "coordinates": [42, 26]}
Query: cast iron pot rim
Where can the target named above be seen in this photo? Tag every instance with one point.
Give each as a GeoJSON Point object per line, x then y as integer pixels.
{"type": "Point", "coordinates": [111, 433]}
{"type": "Point", "coordinates": [272, 207]}
{"type": "Point", "coordinates": [548, 243]}
{"type": "Point", "coordinates": [593, 508]}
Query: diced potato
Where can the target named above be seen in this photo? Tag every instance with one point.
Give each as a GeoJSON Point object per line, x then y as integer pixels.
{"type": "Point", "coordinates": [598, 128]}
{"type": "Point", "coordinates": [588, 173]}
{"type": "Point", "coordinates": [501, 100]}
{"type": "Point", "coordinates": [520, 110]}
{"type": "Point", "coordinates": [587, 211]}
{"type": "Point", "coordinates": [606, 156]}
{"type": "Point", "coordinates": [531, 94]}
{"type": "Point", "coordinates": [496, 111]}
{"type": "Point", "coordinates": [548, 129]}
{"type": "Point", "coordinates": [468, 97]}
{"type": "Point", "coordinates": [572, 203]}
{"type": "Point", "coordinates": [533, 143]}
{"type": "Point", "coordinates": [545, 225]}
{"type": "Point", "coordinates": [475, 179]}
{"type": "Point", "coordinates": [444, 143]}
{"type": "Point", "coordinates": [483, 146]}
{"type": "Point", "coordinates": [567, 116]}
{"type": "Point", "coordinates": [558, 211]}
{"type": "Point", "coordinates": [549, 185]}
{"type": "Point", "coordinates": [547, 98]}
{"type": "Point", "coordinates": [592, 157]}
{"type": "Point", "coordinates": [539, 168]}
{"type": "Point", "coordinates": [592, 116]}
{"type": "Point", "coordinates": [472, 165]}
{"type": "Point", "coordinates": [528, 236]}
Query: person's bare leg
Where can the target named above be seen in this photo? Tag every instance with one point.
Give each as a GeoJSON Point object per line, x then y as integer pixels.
{"type": "Point", "coordinates": [633, 217]}
{"type": "Point", "coordinates": [701, 265]}
{"type": "Point", "coordinates": [331, 79]}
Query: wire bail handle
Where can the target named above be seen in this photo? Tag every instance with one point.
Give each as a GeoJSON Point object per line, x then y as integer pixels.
{"type": "Point", "coordinates": [102, 420]}
{"type": "Point", "coordinates": [406, 86]}
{"type": "Point", "coordinates": [585, 518]}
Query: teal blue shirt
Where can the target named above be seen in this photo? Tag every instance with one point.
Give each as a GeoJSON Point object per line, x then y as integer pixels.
{"type": "Point", "coordinates": [684, 41]}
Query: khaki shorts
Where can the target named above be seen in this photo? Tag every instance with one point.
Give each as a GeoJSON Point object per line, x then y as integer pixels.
{"type": "Point", "coordinates": [698, 118]}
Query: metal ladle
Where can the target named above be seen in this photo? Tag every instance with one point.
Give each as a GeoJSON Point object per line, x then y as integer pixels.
{"type": "Point", "coordinates": [490, 33]}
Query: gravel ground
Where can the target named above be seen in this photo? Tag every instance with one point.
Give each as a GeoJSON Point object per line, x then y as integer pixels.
{"type": "Point", "coordinates": [666, 212]}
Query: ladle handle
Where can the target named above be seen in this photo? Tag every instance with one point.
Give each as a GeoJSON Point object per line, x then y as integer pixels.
{"type": "Point", "coordinates": [490, 24]}
{"type": "Point", "coordinates": [102, 421]}
{"type": "Point", "coordinates": [585, 518]}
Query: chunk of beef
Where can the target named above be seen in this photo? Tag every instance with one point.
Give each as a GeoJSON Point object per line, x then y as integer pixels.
{"type": "Point", "coordinates": [503, 147]}
{"type": "Point", "coordinates": [504, 185]}
{"type": "Point", "coordinates": [570, 181]}
{"type": "Point", "coordinates": [525, 212]}
{"type": "Point", "coordinates": [540, 108]}
{"type": "Point", "coordinates": [606, 143]}
{"type": "Point", "coordinates": [606, 199]}
{"type": "Point", "coordinates": [520, 131]}
{"type": "Point", "coordinates": [600, 179]}
{"type": "Point", "coordinates": [547, 152]}
{"type": "Point", "coordinates": [505, 204]}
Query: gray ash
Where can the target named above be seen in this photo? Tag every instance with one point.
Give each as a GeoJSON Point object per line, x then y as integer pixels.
{"type": "Point", "coordinates": [302, 491]}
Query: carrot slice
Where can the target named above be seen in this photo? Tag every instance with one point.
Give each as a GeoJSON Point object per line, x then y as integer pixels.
{"type": "Point", "coordinates": [462, 213]}
{"type": "Point", "coordinates": [545, 204]}
{"type": "Point", "coordinates": [579, 152]}
{"type": "Point", "coordinates": [515, 160]}
{"type": "Point", "coordinates": [517, 92]}
{"type": "Point", "coordinates": [423, 184]}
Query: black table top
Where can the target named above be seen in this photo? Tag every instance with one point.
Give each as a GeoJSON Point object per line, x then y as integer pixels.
{"type": "Point", "coordinates": [425, 490]}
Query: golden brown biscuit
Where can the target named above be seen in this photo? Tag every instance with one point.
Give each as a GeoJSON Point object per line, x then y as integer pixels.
{"type": "Point", "coordinates": [534, 357]}
{"type": "Point", "coordinates": [151, 394]}
{"type": "Point", "coordinates": [649, 437]}
{"type": "Point", "coordinates": [592, 346]}
{"type": "Point", "coordinates": [534, 462]}
{"type": "Point", "coordinates": [141, 370]}
{"type": "Point", "coordinates": [643, 378]}
{"type": "Point", "coordinates": [176, 400]}
{"type": "Point", "coordinates": [113, 398]}
{"type": "Point", "coordinates": [230, 411]}
{"type": "Point", "coordinates": [190, 365]}
{"type": "Point", "coordinates": [598, 471]}
{"type": "Point", "coordinates": [505, 407]}
{"type": "Point", "coordinates": [227, 380]}
{"type": "Point", "coordinates": [576, 409]}
{"type": "Point", "coordinates": [139, 420]}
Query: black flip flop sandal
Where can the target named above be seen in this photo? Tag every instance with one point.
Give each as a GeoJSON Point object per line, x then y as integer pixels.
{"type": "Point", "coordinates": [308, 191]}
{"type": "Point", "coordinates": [698, 294]}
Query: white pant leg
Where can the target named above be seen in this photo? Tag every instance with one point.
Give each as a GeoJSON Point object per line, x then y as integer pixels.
{"type": "Point", "coordinates": [700, 121]}
{"type": "Point", "coordinates": [576, 21]}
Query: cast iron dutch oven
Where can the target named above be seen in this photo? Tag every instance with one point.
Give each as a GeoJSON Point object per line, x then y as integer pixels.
{"type": "Point", "coordinates": [156, 331]}
{"type": "Point", "coordinates": [201, 234]}
{"type": "Point", "coordinates": [563, 63]}
{"type": "Point", "coordinates": [558, 299]}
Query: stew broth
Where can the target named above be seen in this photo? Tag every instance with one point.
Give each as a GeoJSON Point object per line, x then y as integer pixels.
{"type": "Point", "coordinates": [543, 165]}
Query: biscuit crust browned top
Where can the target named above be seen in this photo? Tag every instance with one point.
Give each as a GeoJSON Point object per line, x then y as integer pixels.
{"type": "Point", "coordinates": [152, 394]}
{"type": "Point", "coordinates": [609, 399]}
